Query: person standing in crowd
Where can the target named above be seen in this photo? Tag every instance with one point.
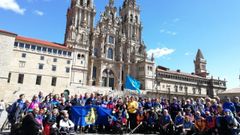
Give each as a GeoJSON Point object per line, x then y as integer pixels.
{"type": "Point", "coordinates": [174, 108]}
{"type": "Point", "coordinates": [16, 110]}
{"type": "Point", "coordinates": [40, 96]}
{"type": "Point", "coordinates": [35, 103]}
{"type": "Point", "coordinates": [132, 111]}
{"type": "Point", "coordinates": [237, 105]}
{"type": "Point", "coordinates": [2, 107]}
{"type": "Point", "coordinates": [229, 105]}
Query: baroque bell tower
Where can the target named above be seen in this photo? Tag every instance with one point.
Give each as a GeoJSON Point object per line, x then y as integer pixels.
{"type": "Point", "coordinates": [78, 37]}
{"type": "Point", "coordinates": [200, 65]}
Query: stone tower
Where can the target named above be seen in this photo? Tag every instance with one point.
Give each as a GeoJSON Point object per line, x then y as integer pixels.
{"type": "Point", "coordinates": [200, 64]}
{"type": "Point", "coordinates": [131, 28]}
{"type": "Point", "coordinates": [78, 36]}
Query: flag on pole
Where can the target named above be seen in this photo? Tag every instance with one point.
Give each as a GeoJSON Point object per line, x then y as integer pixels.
{"type": "Point", "coordinates": [132, 84]}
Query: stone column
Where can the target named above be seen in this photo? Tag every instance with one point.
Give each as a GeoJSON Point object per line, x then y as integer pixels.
{"type": "Point", "coordinates": [99, 75]}
{"type": "Point", "coordinates": [120, 77]}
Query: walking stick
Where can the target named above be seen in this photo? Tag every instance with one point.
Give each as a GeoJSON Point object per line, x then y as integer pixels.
{"type": "Point", "coordinates": [136, 128]}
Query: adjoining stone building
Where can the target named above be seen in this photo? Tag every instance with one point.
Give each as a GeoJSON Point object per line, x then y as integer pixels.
{"type": "Point", "coordinates": [171, 83]}
{"type": "Point", "coordinates": [92, 59]}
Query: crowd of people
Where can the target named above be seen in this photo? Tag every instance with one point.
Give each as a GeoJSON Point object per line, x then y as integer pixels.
{"type": "Point", "coordinates": [50, 115]}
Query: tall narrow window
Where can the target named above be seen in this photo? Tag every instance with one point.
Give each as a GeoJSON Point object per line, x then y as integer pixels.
{"type": "Point", "coordinates": [81, 2]}
{"type": "Point", "coordinates": [20, 78]}
{"type": "Point", "coordinates": [67, 69]}
{"type": "Point", "coordinates": [94, 74]}
{"type": "Point", "coordinates": [40, 66]}
{"type": "Point", "coordinates": [111, 39]}
{"type": "Point", "coordinates": [88, 3]}
{"type": "Point", "coordinates": [54, 68]}
{"type": "Point", "coordinates": [38, 80]}
{"type": "Point", "coordinates": [54, 81]}
{"type": "Point", "coordinates": [110, 53]}
{"type": "Point", "coordinates": [16, 44]}
{"type": "Point", "coordinates": [9, 77]}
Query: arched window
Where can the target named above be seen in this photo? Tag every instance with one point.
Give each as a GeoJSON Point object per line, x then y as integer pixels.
{"type": "Point", "coordinates": [83, 56]}
{"type": "Point", "coordinates": [131, 18]}
{"type": "Point", "coordinates": [108, 78]}
{"type": "Point", "coordinates": [110, 53]}
{"type": "Point", "coordinates": [81, 2]}
{"type": "Point", "coordinates": [88, 3]}
{"type": "Point", "coordinates": [79, 56]}
{"type": "Point", "coordinates": [136, 18]}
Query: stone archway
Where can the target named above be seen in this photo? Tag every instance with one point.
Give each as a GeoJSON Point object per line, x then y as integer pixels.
{"type": "Point", "coordinates": [108, 78]}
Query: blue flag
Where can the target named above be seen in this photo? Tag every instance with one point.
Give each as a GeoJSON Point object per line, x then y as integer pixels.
{"type": "Point", "coordinates": [90, 115]}
{"type": "Point", "coordinates": [132, 84]}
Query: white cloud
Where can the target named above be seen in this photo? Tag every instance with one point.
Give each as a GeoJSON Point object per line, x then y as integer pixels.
{"type": "Point", "coordinates": [37, 12]}
{"type": "Point", "coordinates": [159, 52]}
{"type": "Point", "coordinates": [188, 54]}
{"type": "Point", "coordinates": [176, 20]}
{"type": "Point", "coordinates": [12, 5]}
{"type": "Point", "coordinates": [169, 32]}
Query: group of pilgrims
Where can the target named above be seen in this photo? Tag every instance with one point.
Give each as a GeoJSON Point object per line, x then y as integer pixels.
{"type": "Point", "coordinates": [51, 115]}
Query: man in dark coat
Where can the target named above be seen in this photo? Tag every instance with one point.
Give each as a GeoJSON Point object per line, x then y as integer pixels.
{"type": "Point", "coordinates": [30, 125]}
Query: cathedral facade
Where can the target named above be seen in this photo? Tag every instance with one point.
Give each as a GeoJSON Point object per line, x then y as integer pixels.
{"type": "Point", "coordinates": [112, 49]}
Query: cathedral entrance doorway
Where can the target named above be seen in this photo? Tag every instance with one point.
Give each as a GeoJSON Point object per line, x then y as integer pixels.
{"type": "Point", "coordinates": [108, 78]}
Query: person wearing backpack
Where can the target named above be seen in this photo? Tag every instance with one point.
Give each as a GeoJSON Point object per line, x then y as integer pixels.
{"type": "Point", "coordinates": [16, 110]}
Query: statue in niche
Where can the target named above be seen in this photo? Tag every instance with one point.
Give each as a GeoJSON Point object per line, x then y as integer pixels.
{"type": "Point", "coordinates": [79, 38]}
{"type": "Point", "coordinates": [84, 37]}
{"type": "Point", "coordinates": [72, 33]}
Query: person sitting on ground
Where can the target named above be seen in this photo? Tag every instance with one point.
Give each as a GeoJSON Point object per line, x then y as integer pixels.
{"type": "Point", "coordinates": [210, 123]}
{"type": "Point", "coordinates": [166, 123]}
{"type": "Point", "coordinates": [179, 123]}
{"type": "Point", "coordinates": [188, 127]}
{"type": "Point", "coordinates": [66, 125]}
{"type": "Point", "coordinates": [232, 122]}
{"type": "Point", "coordinates": [200, 124]}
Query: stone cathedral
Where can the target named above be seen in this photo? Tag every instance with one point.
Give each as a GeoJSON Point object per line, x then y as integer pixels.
{"type": "Point", "coordinates": [112, 49]}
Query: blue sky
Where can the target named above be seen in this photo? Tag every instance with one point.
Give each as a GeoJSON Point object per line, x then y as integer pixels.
{"type": "Point", "coordinates": [173, 29]}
